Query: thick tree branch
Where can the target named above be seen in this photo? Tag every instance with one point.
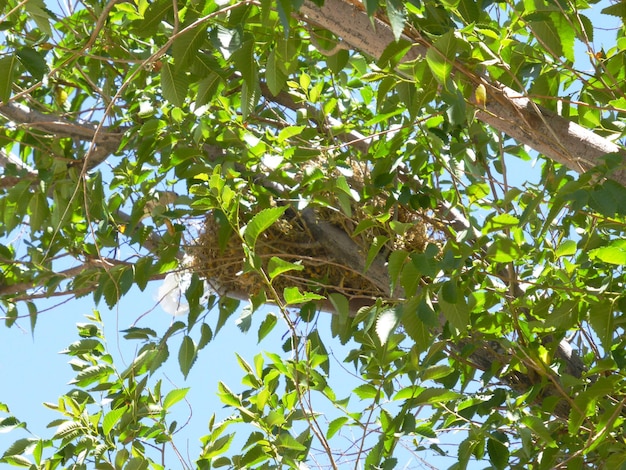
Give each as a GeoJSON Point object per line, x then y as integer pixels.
{"type": "Point", "coordinates": [555, 137]}
{"type": "Point", "coordinates": [106, 141]}
{"type": "Point", "coordinates": [55, 125]}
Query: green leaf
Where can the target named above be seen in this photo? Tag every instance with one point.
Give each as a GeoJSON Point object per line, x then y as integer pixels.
{"type": "Point", "coordinates": [366, 391]}
{"type": "Point", "coordinates": [8, 68]}
{"type": "Point", "coordinates": [397, 17]}
{"type": "Point", "coordinates": [500, 222]}
{"type": "Point", "coordinates": [142, 363]}
{"type": "Point", "coordinates": [112, 418]}
{"type": "Point", "coordinates": [206, 335]}
{"type": "Point", "coordinates": [432, 396]}
{"type": "Point", "coordinates": [10, 423]}
{"type": "Point", "coordinates": [11, 315]}
{"type": "Point", "coordinates": [567, 248]}
{"type": "Point", "coordinates": [395, 264]}
{"type": "Point", "coordinates": [20, 446]}
{"type": "Point", "coordinates": [602, 320]}
{"type": "Point", "coordinates": [613, 253]}
{"type": "Point", "coordinates": [261, 222]}
{"type": "Point", "coordinates": [267, 326]}
{"type": "Point", "coordinates": [504, 250]}
{"type": "Point", "coordinates": [84, 346]}
{"type": "Point", "coordinates": [441, 56]}
{"type": "Point", "coordinates": [217, 447]}
{"type": "Point", "coordinates": [289, 132]}
{"type": "Point", "coordinates": [143, 271]}
{"type": "Point", "coordinates": [277, 266]}
{"type": "Point", "coordinates": [250, 95]}
{"type": "Point", "coordinates": [386, 323]}
{"type": "Point", "coordinates": [174, 396]}
{"type": "Point", "coordinates": [341, 305]}
{"type": "Point", "coordinates": [227, 396]}
{"type": "Point", "coordinates": [370, 7]}
{"type": "Point", "coordinates": [456, 313]}
{"type": "Point", "coordinates": [91, 374]}
{"type": "Point", "coordinates": [275, 77]}
{"type": "Point", "coordinates": [292, 295]}
{"type": "Point", "coordinates": [377, 244]}
{"type": "Point", "coordinates": [174, 85]}
{"type": "Point", "coordinates": [469, 10]}
{"type": "Point", "coordinates": [186, 45]}
{"type": "Point", "coordinates": [136, 463]}
{"type": "Point", "coordinates": [408, 393]}
{"type": "Point", "coordinates": [207, 88]}
{"type": "Point", "coordinates": [32, 61]}
{"type": "Point", "coordinates": [245, 62]}
{"type": "Point", "coordinates": [153, 16]}
{"type": "Point", "coordinates": [187, 355]}
{"type": "Point", "coordinates": [617, 9]}
{"type": "Point", "coordinates": [32, 315]}
{"type": "Point", "coordinates": [68, 430]}
{"type": "Point", "coordinates": [436, 372]}
{"type": "Point", "coordinates": [554, 32]}
{"type": "Point", "coordinates": [39, 211]}
{"type": "Point", "coordinates": [335, 425]}
{"type": "Point", "coordinates": [41, 14]}
{"type": "Point", "coordinates": [535, 424]}
{"type": "Point", "coordinates": [414, 326]}
{"type": "Point", "coordinates": [498, 453]}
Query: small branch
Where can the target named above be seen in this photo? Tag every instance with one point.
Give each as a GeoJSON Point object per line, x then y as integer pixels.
{"type": "Point", "coordinates": [55, 125]}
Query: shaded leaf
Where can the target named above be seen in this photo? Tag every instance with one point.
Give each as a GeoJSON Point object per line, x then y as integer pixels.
{"type": "Point", "coordinates": [186, 355]}
{"type": "Point", "coordinates": [186, 45]}
{"type": "Point", "coordinates": [8, 68]}
{"type": "Point", "coordinates": [397, 16]}
{"type": "Point", "coordinates": [174, 85]}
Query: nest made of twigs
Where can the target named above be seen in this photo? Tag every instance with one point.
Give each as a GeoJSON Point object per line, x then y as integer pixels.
{"type": "Point", "coordinates": [290, 240]}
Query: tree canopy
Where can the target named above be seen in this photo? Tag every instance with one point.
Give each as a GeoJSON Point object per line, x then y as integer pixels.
{"type": "Point", "coordinates": [368, 160]}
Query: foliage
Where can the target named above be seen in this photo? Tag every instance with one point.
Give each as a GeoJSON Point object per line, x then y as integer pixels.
{"type": "Point", "coordinates": [467, 297]}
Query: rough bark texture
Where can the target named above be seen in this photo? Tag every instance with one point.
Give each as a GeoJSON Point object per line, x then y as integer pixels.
{"type": "Point", "coordinates": [555, 137]}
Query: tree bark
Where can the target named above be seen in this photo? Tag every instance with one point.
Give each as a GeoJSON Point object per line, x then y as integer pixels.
{"type": "Point", "coordinates": [506, 110]}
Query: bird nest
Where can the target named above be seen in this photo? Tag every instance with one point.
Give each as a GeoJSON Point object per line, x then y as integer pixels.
{"type": "Point", "coordinates": [219, 255]}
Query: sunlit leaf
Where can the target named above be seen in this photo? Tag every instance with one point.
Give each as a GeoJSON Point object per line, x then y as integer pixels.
{"type": "Point", "coordinates": [366, 391]}
{"type": "Point", "coordinates": [261, 222]}
{"type": "Point", "coordinates": [112, 418]}
{"type": "Point", "coordinates": [277, 266]}
{"type": "Point", "coordinates": [441, 56]}
{"type": "Point", "coordinates": [386, 323]}
{"type": "Point", "coordinates": [614, 253]}
{"type": "Point", "coordinates": [174, 396]}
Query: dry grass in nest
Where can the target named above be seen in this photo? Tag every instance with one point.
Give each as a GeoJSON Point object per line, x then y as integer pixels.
{"type": "Point", "coordinates": [288, 239]}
